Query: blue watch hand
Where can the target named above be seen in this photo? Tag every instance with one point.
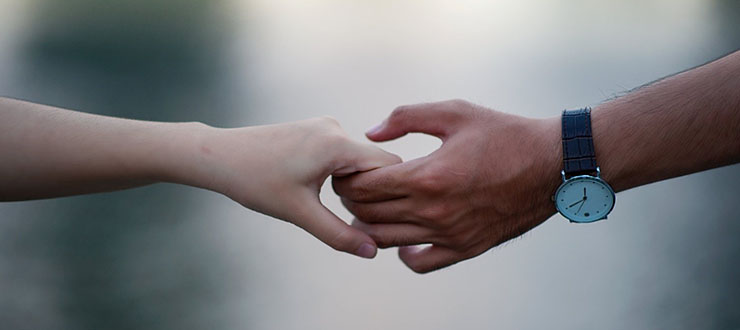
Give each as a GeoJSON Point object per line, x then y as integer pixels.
{"type": "Point", "coordinates": [574, 204]}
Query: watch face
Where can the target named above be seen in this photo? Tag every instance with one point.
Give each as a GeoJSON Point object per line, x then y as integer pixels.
{"type": "Point", "coordinates": [584, 199]}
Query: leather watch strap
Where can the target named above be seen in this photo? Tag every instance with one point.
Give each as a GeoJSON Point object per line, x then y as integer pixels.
{"type": "Point", "coordinates": [578, 145]}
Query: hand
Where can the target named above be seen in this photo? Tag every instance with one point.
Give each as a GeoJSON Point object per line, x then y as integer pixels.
{"type": "Point", "coordinates": [581, 201]}
{"type": "Point", "coordinates": [279, 169]}
{"type": "Point", "coordinates": [490, 181]}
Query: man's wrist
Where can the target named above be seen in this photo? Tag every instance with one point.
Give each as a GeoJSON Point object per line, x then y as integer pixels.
{"type": "Point", "coordinates": [550, 156]}
{"type": "Point", "coordinates": [538, 162]}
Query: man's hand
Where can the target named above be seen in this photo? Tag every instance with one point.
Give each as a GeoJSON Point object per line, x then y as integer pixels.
{"type": "Point", "coordinates": [490, 181]}
{"type": "Point", "coordinates": [493, 176]}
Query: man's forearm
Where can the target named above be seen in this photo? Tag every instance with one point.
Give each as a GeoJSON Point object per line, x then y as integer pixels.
{"type": "Point", "coordinates": [50, 152]}
{"type": "Point", "coordinates": [683, 124]}
{"type": "Point", "coordinates": [494, 175]}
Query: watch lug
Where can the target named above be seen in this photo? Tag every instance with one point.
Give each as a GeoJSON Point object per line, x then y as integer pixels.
{"type": "Point", "coordinates": [562, 174]}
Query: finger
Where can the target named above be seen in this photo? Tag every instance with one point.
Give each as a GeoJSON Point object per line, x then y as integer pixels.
{"type": "Point", "coordinates": [398, 210]}
{"type": "Point", "coordinates": [438, 119]}
{"type": "Point", "coordinates": [426, 259]}
{"type": "Point", "coordinates": [360, 157]}
{"type": "Point", "coordinates": [315, 218]}
{"type": "Point", "coordinates": [380, 184]}
{"type": "Point", "coordinates": [390, 235]}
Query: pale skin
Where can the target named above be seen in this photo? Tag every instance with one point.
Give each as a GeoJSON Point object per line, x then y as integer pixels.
{"type": "Point", "coordinates": [275, 169]}
{"type": "Point", "coordinates": [495, 173]}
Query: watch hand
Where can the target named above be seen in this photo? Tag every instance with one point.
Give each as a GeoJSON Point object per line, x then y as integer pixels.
{"type": "Point", "coordinates": [584, 193]}
{"type": "Point", "coordinates": [579, 208]}
{"type": "Point", "coordinates": [580, 201]}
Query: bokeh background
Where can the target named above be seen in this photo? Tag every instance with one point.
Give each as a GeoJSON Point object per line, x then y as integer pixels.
{"type": "Point", "coordinates": [174, 257]}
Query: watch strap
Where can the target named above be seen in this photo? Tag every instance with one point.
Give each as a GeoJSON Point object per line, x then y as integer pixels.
{"type": "Point", "coordinates": [578, 145]}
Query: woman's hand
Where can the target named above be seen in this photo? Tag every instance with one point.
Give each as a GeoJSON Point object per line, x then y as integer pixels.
{"type": "Point", "coordinates": [279, 169]}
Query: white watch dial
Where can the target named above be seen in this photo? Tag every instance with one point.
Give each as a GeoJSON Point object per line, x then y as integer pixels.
{"type": "Point", "coordinates": [584, 199]}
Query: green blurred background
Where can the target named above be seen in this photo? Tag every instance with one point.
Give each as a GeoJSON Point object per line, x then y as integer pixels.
{"type": "Point", "coordinates": [174, 257]}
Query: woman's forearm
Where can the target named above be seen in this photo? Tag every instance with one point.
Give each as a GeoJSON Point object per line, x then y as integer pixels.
{"type": "Point", "coordinates": [51, 152]}
{"type": "Point", "coordinates": [275, 169]}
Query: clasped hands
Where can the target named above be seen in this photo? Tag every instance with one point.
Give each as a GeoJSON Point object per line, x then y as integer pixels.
{"type": "Point", "coordinates": [490, 181]}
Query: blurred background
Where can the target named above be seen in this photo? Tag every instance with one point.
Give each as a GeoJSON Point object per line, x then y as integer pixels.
{"type": "Point", "coordinates": [174, 257]}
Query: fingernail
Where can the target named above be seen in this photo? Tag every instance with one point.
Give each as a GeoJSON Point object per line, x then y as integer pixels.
{"type": "Point", "coordinates": [366, 250]}
{"type": "Point", "coordinates": [375, 128]}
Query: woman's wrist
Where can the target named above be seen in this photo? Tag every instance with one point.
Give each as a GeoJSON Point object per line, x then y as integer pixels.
{"type": "Point", "coordinates": [183, 154]}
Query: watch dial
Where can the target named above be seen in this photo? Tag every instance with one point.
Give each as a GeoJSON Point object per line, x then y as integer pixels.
{"type": "Point", "coordinates": [584, 199]}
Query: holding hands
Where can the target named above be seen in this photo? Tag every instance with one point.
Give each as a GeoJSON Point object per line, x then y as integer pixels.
{"type": "Point", "coordinates": [279, 169]}
{"type": "Point", "coordinates": [491, 180]}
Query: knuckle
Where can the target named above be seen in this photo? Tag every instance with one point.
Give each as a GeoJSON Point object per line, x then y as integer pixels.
{"type": "Point", "coordinates": [458, 103]}
{"type": "Point", "coordinates": [333, 139]}
{"type": "Point", "coordinates": [431, 180]}
{"type": "Point", "coordinates": [429, 185]}
{"type": "Point", "coordinates": [329, 121]}
{"type": "Point", "coordinates": [386, 241]}
{"type": "Point", "coordinates": [438, 213]}
{"type": "Point", "coordinates": [466, 109]}
{"type": "Point", "coordinates": [400, 112]}
{"type": "Point", "coordinates": [355, 192]}
{"type": "Point", "coordinates": [382, 242]}
{"type": "Point", "coordinates": [330, 129]}
{"type": "Point", "coordinates": [342, 241]}
{"type": "Point", "coordinates": [461, 242]}
{"type": "Point", "coordinates": [393, 158]}
{"type": "Point", "coordinates": [344, 188]}
{"type": "Point", "coordinates": [367, 214]}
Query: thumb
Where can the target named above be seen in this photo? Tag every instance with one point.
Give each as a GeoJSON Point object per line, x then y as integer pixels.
{"type": "Point", "coordinates": [436, 119]}
{"type": "Point", "coordinates": [316, 219]}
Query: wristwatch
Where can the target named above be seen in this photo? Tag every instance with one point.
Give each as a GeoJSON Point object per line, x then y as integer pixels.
{"type": "Point", "coordinates": [582, 197]}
